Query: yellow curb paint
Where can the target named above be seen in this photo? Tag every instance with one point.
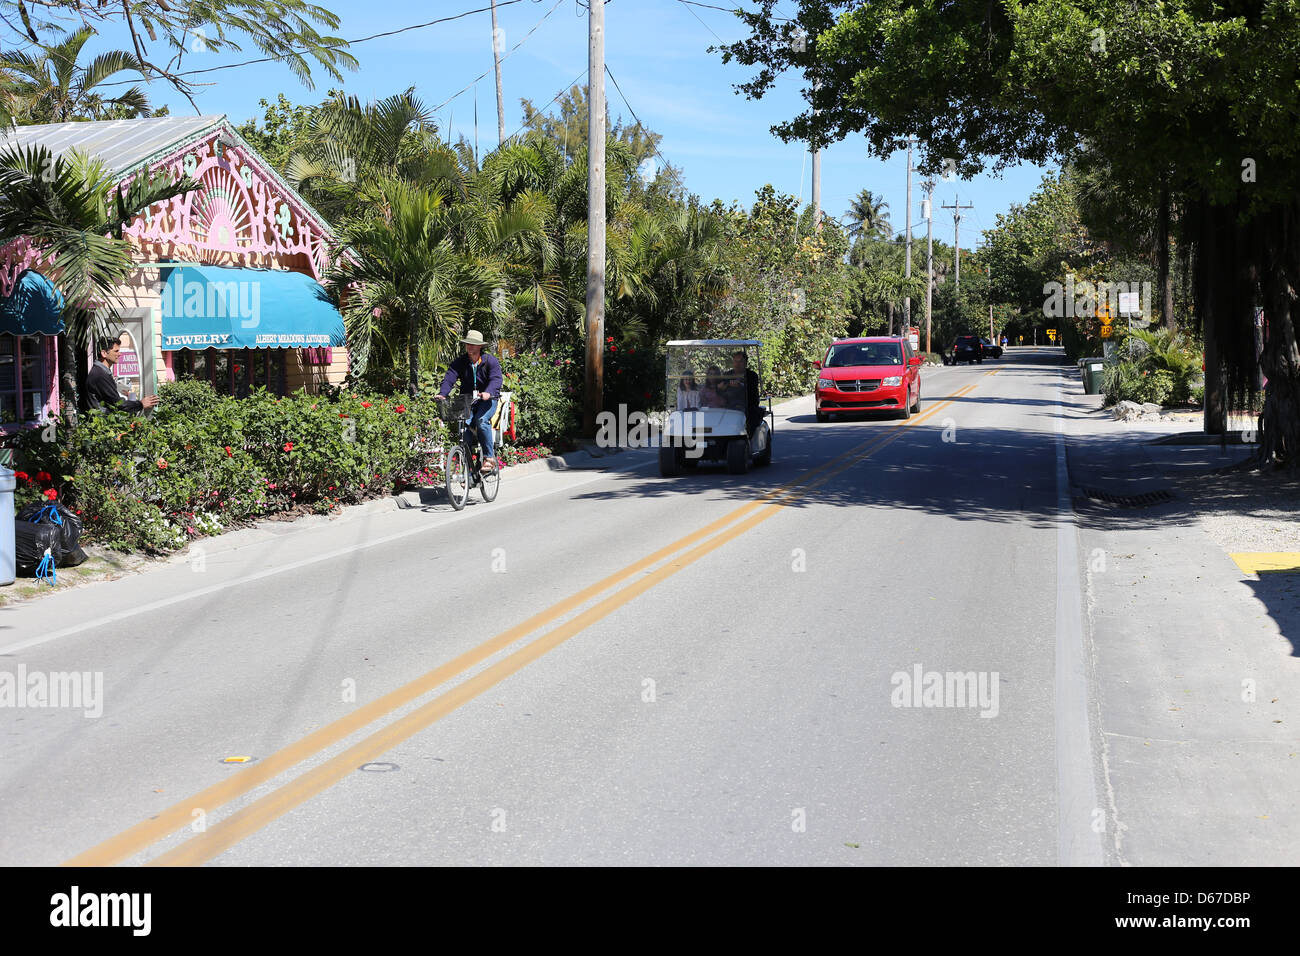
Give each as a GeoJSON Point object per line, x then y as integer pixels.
{"type": "Point", "coordinates": [138, 838]}
{"type": "Point", "coordinates": [1253, 562]}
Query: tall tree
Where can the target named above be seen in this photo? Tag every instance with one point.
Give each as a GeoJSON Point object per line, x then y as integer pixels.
{"type": "Point", "coordinates": [50, 86]}
{"type": "Point", "coordinates": [868, 215]}
{"type": "Point", "coordinates": [1191, 89]}
{"type": "Point", "coordinates": [282, 30]}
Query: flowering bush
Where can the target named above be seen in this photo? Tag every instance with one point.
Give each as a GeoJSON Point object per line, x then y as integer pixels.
{"type": "Point", "coordinates": [547, 388]}
{"type": "Point", "coordinates": [518, 455]}
{"type": "Point", "coordinates": [205, 461]}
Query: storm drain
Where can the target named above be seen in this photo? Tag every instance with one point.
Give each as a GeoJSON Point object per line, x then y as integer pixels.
{"type": "Point", "coordinates": [1144, 500]}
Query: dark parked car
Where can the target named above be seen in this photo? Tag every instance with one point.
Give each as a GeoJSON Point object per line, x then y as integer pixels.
{"type": "Point", "coordinates": [991, 350]}
{"type": "Point", "coordinates": [967, 348]}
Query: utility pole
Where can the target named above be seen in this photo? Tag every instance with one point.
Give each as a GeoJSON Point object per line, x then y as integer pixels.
{"type": "Point", "coordinates": [907, 300]}
{"type": "Point", "coordinates": [594, 398]}
{"type": "Point", "coordinates": [926, 211]}
{"type": "Point", "coordinates": [496, 56]}
{"type": "Point", "coordinates": [817, 175]}
{"type": "Point", "coordinates": [956, 246]}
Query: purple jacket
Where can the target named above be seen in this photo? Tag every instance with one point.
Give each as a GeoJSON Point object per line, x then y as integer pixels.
{"type": "Point", "coordinates": [487, 380]}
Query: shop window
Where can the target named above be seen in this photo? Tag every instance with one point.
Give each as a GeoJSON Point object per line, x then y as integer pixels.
{"type": "Point", "coordinates": [23, 377]}
{"type": "Point", "coordinates": [234, 372]}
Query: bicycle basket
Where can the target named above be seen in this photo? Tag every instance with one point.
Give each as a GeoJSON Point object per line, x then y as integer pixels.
{"type": "Point", "coordinates": [455, 409]}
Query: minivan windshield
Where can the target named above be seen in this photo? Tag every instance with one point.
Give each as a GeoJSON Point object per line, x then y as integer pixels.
{"type": "Point", "coordinates": [864, 353]}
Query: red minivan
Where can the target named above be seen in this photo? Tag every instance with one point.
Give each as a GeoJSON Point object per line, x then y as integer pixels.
{"type": "Point", "coordinates": [867, 375]}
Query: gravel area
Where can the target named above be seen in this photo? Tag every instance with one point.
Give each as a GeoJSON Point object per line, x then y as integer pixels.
{"type": "Point", "coordinates": [1248, 511]}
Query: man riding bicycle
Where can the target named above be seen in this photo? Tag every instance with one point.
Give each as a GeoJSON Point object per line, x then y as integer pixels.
{"type": "Point", "coordinates": [479, 375]}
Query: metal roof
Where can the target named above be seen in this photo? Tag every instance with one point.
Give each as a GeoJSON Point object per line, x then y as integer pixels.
{"type": "Point", "coordinates": [121, 145]}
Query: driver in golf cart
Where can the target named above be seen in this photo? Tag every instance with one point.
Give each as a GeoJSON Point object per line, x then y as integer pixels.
{"type": "Point", "coordinates": [743, 389]}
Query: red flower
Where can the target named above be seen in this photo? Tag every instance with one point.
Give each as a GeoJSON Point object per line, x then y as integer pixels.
{"type": "Point", "coordinates": [288, 446]}
{"type": "Point", "coordinates": [343, 414]}
{"type": "Point", "coordinates": [21, 476]}
{"type": "Point", "coordinates": [162, 463]}
{"type": "Point", "coordinates": [51, 494]}
{"type": "Point", "coordinates": [43, 477]}
{"type": "Point", "coordinates": [610, 339]}
{"type": "Point", "coordinates": [365, 405]}
{"type": "Point", "coordinates": [399, 408]}
{"type": "Point", "coordinates": [229, 453]}
{"type": "Point", "coordinates": [613, 348]}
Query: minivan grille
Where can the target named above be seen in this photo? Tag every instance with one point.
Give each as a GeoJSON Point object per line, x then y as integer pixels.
{"type": "Point", "coordinates": [858, 385]}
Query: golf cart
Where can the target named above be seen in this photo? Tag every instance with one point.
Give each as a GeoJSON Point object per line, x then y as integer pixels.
{"type": "Point", "coordinates": [714, 409]}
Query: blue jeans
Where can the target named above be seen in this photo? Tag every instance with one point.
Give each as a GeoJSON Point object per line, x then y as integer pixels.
{"type": "Point", "coordinates": [481, 423]}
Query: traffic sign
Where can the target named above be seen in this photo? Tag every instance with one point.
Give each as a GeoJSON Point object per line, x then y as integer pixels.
{"type": "Point", "coordinates": [1107, 330]}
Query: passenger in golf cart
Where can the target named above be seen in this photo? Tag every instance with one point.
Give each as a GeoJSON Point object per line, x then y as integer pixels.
{"type": "Point", "coordinates": [724, 421]}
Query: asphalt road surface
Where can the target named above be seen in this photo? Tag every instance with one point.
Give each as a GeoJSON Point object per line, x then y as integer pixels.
{"type": "Point", "coordinates": [867, 653]}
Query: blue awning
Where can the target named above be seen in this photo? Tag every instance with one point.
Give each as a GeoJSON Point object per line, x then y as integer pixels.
{"type": "Point", "coordinates": [215, 307]}
{"type": "Point", "coordinates": [34, 307]}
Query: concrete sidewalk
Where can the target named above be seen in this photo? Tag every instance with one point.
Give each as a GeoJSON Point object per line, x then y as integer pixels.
{"type": "Point", "coordinates": [1194, 662]}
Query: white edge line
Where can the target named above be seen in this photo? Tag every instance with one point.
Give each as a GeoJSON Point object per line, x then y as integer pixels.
{"type": "Point", "coordinates": [1078, 843]}
{"type": "Point", "coordinates": [281, 569]}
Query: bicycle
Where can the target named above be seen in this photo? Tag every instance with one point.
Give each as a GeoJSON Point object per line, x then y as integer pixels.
{"type": "Point", "coordinates": [462, 465]}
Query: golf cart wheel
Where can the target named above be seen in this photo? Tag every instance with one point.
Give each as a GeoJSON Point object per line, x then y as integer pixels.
{"type": "Point", "coordinates": [670, 465]}
{"type": "Point", "coordinates": [764, 457]}
{"type": "Point", "coordinates": [738, 456]}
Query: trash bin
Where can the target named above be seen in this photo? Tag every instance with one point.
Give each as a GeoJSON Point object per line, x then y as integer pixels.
{"type": "Point", "coordinates": [1091, 369]}
{"type": "Point", "coordinates": [8, 557]}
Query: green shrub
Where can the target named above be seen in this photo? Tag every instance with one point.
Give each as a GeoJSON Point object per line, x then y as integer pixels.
{"type": "Point", "coordinates": [204, 461]}
{"type": "Point", "coordinates": [546, 387]}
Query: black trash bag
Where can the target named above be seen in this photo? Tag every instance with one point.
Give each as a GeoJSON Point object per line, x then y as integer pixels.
{"type": "Point", "coordinates": [32, 541]}
{"type": "Point", "coordinates": [70, 529]}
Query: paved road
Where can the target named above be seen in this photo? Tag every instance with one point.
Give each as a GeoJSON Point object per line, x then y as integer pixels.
{"type": "Point", "coordinates": [604, 668]}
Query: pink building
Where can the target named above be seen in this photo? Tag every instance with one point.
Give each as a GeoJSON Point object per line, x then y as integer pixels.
{"type": "Point", "coordinates": [226, 284]}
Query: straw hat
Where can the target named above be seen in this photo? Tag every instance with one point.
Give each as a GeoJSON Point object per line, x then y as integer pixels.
{"type": "Point", "coordinates": [473, 337]}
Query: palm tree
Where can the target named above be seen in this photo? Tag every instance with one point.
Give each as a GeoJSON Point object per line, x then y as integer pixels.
{"type": "Point", "coordinates": [74, 211]}
{"type": "Point", "coordinates": [49, 86]}
{"type": "Point", "coordinates": [868, 215]}
{"type": "Point", "coordinates": [354, 150]}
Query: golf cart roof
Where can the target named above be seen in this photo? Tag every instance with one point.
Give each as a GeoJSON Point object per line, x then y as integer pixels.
{"type": "Point", "coordinates": [754, 342]}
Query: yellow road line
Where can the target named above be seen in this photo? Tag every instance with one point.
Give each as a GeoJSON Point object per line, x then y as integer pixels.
{"type": "Point", "coordinates": [243, 823]}
{"type": "Point", "coordinates": [1253, 562]}
{"type": "Point", "coordinates": [138, 838]}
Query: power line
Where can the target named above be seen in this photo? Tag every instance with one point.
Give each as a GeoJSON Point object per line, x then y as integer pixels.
{"type": "Point", "coordinates": [667, 164]}
{"type": "Point", "coordinates": [504, 58]}
{"type": "Point", "coordinates": [702, 23]}
{"type": "Point", "coordinates": [566, 89]}
{"type": "Point", "coordinates": [709, 6]}
{"type": "Point", "coordinates": [341, 46]}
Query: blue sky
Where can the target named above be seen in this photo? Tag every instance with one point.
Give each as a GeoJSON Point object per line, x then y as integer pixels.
{"type": "Point", "coordinates": [658, 52]}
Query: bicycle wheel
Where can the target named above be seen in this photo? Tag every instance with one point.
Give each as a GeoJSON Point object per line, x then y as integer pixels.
{"type": "Point", "coordinates": [488, 483]}
{"type": "Point", "coordinates": [457, 476]}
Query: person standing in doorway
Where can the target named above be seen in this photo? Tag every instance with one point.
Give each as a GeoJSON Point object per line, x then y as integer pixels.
{"type": "Point", "coordinates": [101, 389]}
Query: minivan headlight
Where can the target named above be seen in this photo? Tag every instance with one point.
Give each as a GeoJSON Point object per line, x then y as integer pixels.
{"type": "Point", "coordinates": [892, 380]}
{"type": "Point", "coordinates": [825, 383]}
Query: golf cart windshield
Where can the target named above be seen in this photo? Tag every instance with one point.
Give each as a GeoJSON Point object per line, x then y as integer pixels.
{"type": "Point", "coordinates": [703, 374]}
{"type": "Point", "coordinates": [864, 353]}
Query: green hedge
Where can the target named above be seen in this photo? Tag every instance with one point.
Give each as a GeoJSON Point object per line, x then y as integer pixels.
{"type": "Point", "coordinates": [205, 461]}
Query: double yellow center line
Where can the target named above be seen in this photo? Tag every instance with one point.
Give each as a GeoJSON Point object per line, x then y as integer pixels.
{"type": "Point", "coordinates": [246, 821]}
